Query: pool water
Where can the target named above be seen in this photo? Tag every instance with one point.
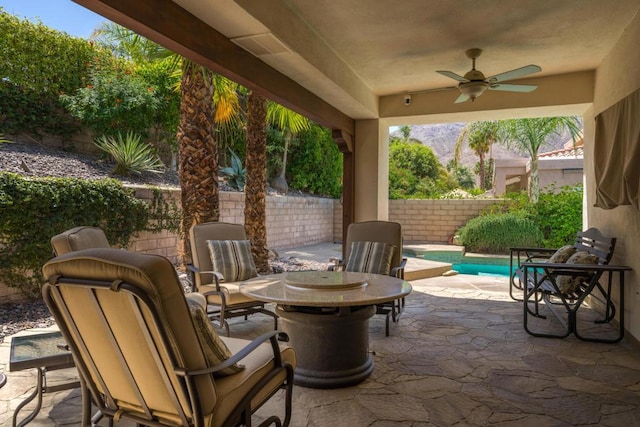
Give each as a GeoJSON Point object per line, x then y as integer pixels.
{"type": "Point", "coordinates": [482, 269]}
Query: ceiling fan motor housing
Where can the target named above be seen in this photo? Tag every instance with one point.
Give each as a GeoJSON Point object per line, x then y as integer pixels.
{"type": "Point", "coordinates": [473, 89]}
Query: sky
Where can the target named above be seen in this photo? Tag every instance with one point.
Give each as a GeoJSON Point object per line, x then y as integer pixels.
{"type": "Point", "coordinates": [62, 15]}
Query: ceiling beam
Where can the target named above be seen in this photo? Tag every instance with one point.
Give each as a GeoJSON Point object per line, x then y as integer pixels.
{"type": "Point", "coordinates": [171, 26]}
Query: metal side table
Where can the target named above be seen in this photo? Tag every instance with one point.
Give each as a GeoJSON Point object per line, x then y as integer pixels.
{"type": "Point", "coordinates": [44, 352]}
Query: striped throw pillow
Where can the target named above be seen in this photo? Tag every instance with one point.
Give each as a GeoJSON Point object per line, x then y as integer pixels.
{"type": "Point", "coordinates": [214, 349]}
{"type": "Point", "coordinates": [232, 259]}
{"type": "Point", "coordinates": [370, 257]}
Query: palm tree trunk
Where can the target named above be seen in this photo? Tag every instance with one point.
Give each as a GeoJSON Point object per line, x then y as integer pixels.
{"type": "Point", "coordinates": [534, 185]}
{"type": "Point", "coordinates": [197, 152]}
{"type": "Point", "coordinates": [255, 216]}
{"type": "Point", "coordinates": [481, 172]}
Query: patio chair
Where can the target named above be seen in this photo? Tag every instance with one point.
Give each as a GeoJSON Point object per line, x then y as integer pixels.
{"type": "Point", "coordinates": [361, 254]}
{"type": "Point", "coordinates": [87, 237]}
{"type": "Point", "coordinates": [227, 245]}
{"type": "Point", "coordinates": [78, 238]}
{"type": "Point", "coordinates": [146, 355]}
{"type": "Point", "coordinates": [563, 278]}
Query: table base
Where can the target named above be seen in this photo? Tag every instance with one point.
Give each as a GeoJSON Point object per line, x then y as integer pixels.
{"type": "Point", "coordinates": [331, 344]}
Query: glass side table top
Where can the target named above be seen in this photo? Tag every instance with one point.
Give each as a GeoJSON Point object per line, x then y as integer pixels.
{"type": "Point", "coordinates": [38, 350]}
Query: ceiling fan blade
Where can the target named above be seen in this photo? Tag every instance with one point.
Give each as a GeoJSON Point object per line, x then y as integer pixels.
{"type": "Point", "coordinates": [513, 88]}
{"type": "Point", "coordinates": [462, 98]}
{"type": "Point", "coordinates": [514, 74]}
{"type": "Point", "coordinates": [452, 75]}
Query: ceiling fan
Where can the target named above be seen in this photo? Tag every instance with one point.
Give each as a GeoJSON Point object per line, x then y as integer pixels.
{"type": "Point", "coordinates": [474, 83]}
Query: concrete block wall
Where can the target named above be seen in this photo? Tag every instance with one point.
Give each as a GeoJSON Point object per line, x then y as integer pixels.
{"type": "Point", "coordinates": [291, 222]}
{"type": "Point", "coordinates": [434, 221]}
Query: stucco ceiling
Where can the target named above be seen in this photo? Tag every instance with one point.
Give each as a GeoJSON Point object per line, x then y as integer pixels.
{"type": "Point", "coordinates": [353, 51]}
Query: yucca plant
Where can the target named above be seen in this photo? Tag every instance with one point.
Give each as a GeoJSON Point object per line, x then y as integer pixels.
{"type": "Point", "coordinates": [235, 173]}
{"type": "Point", "coordinates": [130, 154]}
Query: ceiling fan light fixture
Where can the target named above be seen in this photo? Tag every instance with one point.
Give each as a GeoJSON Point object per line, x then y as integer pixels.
{"type": "Point", "coordinates": [473, 89]}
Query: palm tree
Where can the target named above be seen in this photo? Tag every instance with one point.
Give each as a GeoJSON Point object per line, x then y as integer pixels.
{"type": "Point", "coordinates": [290, 123]}
{"type": "Point", "coordinates": [205, 98]}
{"type": "Point", "coordinates": [256, 180]}
{"type": "Point", "coordinates": [480, 136]}
{"type": "Point", "coordinates": [529, 135]}
{"type": "Point", "coordinates": [197, 151]}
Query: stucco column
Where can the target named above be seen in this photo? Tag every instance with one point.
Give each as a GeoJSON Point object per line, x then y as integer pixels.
{"type": "Point", "coordinates": [371, 170]}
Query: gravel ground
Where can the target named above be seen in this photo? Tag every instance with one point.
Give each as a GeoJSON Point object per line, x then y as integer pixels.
{"type": "Point", "coordinates": [40, 161]}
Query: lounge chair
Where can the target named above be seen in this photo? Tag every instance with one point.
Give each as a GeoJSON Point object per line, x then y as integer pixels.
{"type": "Point", "coordinates": [564, 278]}
{"type": "Point", "coordinates": [376, 247]}
{"type": "Point", "coordinates": [145, 354]}
{"type": "Point", "coordinates": [226, 244]}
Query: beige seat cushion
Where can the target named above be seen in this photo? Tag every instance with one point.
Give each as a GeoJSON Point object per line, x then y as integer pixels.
{"type": "Point", "coordinates": [232, 294]}
{"type": "Point", "coordinates": [231, 389]}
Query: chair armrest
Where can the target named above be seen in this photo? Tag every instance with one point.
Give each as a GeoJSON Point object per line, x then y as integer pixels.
{"type": "Point", "coordinates": [523, 249]}
{"type": "Point", "coordinates": [399, 270]}
{"type": "Point", "coordinates": [218, 277]}
{"type": "Point", "coordinates": [244, 352]}
{"type": "Point", "coordinates": [563, 268]}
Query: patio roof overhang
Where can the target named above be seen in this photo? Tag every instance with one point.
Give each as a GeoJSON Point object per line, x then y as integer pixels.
{"type": "Point", "coordinates": [349, 64]}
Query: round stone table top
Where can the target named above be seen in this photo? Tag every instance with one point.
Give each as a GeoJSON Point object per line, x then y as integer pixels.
{"type": "Point", "coordinates": [325, 288]}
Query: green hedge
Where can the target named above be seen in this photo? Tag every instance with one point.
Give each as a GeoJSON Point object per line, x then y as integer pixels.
{"type": "Point", "coordinates": [38, 64]}
{"type": "Point", "coordinates": [496, 233]}
{"type": "Point", "coordinates": [34, 210]}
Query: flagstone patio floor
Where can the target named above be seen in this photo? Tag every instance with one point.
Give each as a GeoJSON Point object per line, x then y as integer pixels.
{"type": "Point", "coordinates": [457, 357]}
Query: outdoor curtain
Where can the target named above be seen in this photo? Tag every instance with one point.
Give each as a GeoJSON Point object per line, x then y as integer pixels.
{"type": "Point", "coordinates": [617, 154]}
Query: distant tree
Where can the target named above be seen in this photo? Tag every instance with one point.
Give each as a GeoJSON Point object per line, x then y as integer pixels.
{"type": "Point", "coordinates": [290, 124]}
{"type": "Point", "coordinates": [529, 135]}
{"type": "Point", "coordinates": [480, 136]}
{"type": "Point", "coordinates": [461, 174]}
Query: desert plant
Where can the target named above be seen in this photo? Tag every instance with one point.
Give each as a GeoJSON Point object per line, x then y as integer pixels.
{"type": "Point", "coordinates": [496, 233]}
{"type": "Point", "coordinates": [235, 172]}
{"type": "Point", "coordinates": [130, 154]}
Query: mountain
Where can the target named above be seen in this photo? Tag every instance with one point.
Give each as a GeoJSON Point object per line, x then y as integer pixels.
{"type": "Point", "coordinates": [441, 138]}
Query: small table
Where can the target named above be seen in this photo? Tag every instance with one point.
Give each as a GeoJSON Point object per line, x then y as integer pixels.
{"type": "Point", "coordinates": [44, 352]}
{"type": "Point", "coordinates": [326, 316]}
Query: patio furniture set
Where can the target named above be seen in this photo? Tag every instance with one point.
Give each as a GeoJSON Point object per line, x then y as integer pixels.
{"type": "Point", "coordinates": [147, 352]}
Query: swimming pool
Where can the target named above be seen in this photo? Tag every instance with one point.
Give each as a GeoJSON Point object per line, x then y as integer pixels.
{"type": "Point", "coordinates": [482, 269]}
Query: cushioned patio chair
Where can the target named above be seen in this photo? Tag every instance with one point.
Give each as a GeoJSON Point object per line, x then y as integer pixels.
{"type": "Point", "coordinates": [376, 247]}
{"type": "Point", "coordinates": [87, 237]}
{"type": "Point", "coordinates": [78, 238]}
{"type": "Point", "coordinates": [145, 354]}
{"type": "Point", "coordinates": [221, 256]}
{"type": "Point", "coordinates": [563, 278]}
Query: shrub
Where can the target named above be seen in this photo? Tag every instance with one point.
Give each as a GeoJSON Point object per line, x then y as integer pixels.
{"type": "Point", "coordinates": [38, 64]}
{"type": "Point", "coordinates": [114, 100]}
{"type": "Point", "coordinates": [130, 154]}
{"type": "Point", "coordinates": [315, 163]}
{"type": "Point", "coordinates": [558, 212]}
{"type": "Point", "coordinates": [34, 210]}
{"type": "Point", "coordinates": [559, 215]}
{"type": "Point", "coordinates": [496, 233]}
